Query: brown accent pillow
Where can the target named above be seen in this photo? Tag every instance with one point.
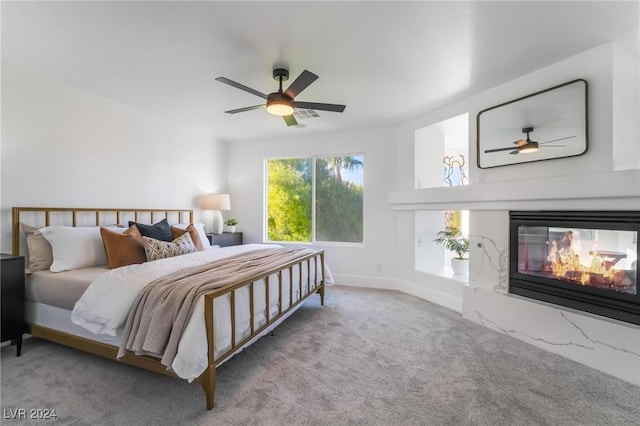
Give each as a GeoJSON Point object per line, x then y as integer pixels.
{"type": "Point", "coordinates": [40, 251]}
{"type": "Point", "coordinates": [193, 232]}
{"type": "Point", "coordinates": [123, 249]}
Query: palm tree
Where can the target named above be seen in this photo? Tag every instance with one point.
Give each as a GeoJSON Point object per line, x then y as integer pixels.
{"type": "Point", "coordinates": [339, 163]}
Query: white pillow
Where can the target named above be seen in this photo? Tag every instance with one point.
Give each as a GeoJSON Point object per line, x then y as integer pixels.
{"type": "Point", "coordinates": [76, 247]}
{"type": "Point", "coordinates": [201, 233]}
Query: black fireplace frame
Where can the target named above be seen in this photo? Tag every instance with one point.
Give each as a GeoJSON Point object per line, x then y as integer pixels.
{"type": "Point", "coordinates": [619, 306]}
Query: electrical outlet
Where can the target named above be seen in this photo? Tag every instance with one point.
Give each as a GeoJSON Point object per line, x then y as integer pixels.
{"type": "Point", "coordinates": [379, 267]}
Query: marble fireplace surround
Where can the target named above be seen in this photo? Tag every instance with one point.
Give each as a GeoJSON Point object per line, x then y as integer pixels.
{"type": "Point", "coordinates": [605, 344]}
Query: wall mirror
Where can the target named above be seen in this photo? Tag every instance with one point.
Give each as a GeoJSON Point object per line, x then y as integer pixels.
{"type": "Point", "coordinates": [545, 125]}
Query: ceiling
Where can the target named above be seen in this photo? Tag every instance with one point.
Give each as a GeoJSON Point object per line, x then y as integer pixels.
{"type": "Point", "coordinates": [387, 61]}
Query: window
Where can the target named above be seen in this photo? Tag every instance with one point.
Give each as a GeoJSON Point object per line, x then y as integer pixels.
{"type": "Point", "coordinates": [315, 199]}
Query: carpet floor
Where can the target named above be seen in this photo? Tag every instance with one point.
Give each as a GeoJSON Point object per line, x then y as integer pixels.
{"type": "Point", "coordinates": [368, 357]}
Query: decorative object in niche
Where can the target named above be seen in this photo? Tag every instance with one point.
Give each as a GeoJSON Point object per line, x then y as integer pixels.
{"type": "Point", "coordinates": [454, 170]}
{"type": "Point", "coordinates": [452, 239]}
{"type": "Point", "coordinates": [554, 122]}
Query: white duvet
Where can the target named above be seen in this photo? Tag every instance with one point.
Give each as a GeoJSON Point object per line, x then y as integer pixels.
{"type": "Point", "coordinates": [104, 306]}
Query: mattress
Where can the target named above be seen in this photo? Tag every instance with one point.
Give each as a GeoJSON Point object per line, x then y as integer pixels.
{"type": "Point", "coordinates": [60, 289]}
{"type": "Point", "coordinates": [58, 318]}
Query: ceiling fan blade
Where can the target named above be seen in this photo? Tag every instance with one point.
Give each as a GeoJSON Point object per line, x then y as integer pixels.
{"type": "Point", "coordinates": [554, 146]}
{"type": "Point", "coordinates": [299, 84]}
{"type": "Point", "coordinates": [241, 87]}
{"type": "Point", "coordinates": [235, 111]}
{"type": "Point", "coordinates": [515, 151]}
{"type": "Point", "coordinates": [488, 151]}
{"type": "Point", "coordinates": [290, 120]}
{"type": "Point", "coordinates": [556, 140]}
{"type": "Point", "coordinates": [321, 107]}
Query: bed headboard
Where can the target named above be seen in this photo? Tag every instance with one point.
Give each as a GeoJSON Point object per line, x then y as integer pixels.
{"type": "Point", "coordinates": [83, 216]}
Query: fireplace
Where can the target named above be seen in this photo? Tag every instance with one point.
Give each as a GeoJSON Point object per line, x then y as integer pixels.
{"type": "Point", "coordinates": [585, 260]}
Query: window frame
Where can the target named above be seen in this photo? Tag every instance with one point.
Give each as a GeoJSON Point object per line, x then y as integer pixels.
{"type": "Point", "coordinates": [313, 158]}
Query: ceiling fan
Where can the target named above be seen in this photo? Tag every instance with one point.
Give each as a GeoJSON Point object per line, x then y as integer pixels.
{"type": "Point", "coordinates": [282, 103]}
{"type": "Point", "coordinates": [527, 146]}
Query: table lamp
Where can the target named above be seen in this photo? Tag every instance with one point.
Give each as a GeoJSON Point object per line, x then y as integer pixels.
{"type": "Point", "coordinates": [217, 202]}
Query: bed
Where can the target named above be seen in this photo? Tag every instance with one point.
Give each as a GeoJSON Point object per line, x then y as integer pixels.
{"type": "Point", "coordinates": [244, 291]}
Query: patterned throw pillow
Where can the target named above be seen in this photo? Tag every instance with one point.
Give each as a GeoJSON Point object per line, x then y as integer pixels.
{"type": "Point", "coordinates": [157, 249]}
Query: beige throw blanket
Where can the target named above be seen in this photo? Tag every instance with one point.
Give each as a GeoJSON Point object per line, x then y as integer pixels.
{"type": "Point", "coordinates": [163, 308]}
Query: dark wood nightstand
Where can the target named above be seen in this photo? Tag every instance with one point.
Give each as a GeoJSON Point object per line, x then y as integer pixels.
{"type": "Point", "coordinates": [225, 239]}
{"type": "Point", "coordinates": [12, 298]}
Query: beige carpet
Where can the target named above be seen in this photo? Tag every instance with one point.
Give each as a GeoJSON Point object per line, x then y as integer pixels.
{"type": "Point", "coordinates": [367, 357]}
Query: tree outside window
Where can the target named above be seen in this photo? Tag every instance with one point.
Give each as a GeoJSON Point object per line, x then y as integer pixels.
{"type": "Point", "coordinates": [334, 214]}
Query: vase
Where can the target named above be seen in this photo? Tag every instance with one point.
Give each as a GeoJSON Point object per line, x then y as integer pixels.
{"type": "Point", "coordinates": [231, 228]}
{"type": "Point", "coordinates": [460, 266]}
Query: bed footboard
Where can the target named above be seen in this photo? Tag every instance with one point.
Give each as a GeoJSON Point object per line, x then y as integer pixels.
{"type": "Point", "coordinates": [271, 297]}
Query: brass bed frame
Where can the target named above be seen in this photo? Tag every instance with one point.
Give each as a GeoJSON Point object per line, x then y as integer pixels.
{"type": "Point", "coordinates": [208, 378]}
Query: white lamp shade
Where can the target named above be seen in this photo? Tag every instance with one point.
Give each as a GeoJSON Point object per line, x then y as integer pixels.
{"type": "Point", "coordinates": [216, 202]}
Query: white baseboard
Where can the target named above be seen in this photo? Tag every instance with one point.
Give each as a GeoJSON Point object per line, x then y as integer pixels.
{"type": "Point", "coordinates": [450, 301]}
{"type": "Point", "coordinates": [366, 282]}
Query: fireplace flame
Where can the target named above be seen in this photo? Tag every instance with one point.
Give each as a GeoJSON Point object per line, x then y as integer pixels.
{"type": "Point", "coordinates": [565, 263]}
{"type": "Point", "coordinates": [585, 278]}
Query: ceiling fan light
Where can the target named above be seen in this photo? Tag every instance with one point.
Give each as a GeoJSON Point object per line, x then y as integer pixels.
{"type": "Point", "coordinates": [529, 147]}
{"type": "Point", "coordinates": [280, 109]}
{"type": "Point", "coordinates": [279, 104]}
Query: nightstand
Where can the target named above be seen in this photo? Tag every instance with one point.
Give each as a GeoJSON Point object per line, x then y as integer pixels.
{"type": "Point", "coordinates": [225, 239]}
{"type": "Point", "coordinates": [12, 298]}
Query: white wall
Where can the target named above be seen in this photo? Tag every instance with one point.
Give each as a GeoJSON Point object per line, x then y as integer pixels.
{"type": "Point", "coordinates": [70, 148]}
{"type": "Point", "coordinates": [370, 264]}
{"type": "Point", "coordinates": [626, 102]}
{"type": "Point", "coordinates": [429, 149]}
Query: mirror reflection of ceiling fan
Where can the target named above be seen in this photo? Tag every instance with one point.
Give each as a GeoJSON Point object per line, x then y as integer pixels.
{"type": "Point", "coordinates": [527, 146]}
{"type": "Point", "coordinates": [283, 103]}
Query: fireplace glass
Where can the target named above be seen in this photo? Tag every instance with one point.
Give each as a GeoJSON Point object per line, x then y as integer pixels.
{"type": "Point", "coordinates": [597, 258]}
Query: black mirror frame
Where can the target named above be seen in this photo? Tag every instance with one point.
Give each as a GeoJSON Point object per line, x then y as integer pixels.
{"type": "Point", "coordinates": [586, 121]}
